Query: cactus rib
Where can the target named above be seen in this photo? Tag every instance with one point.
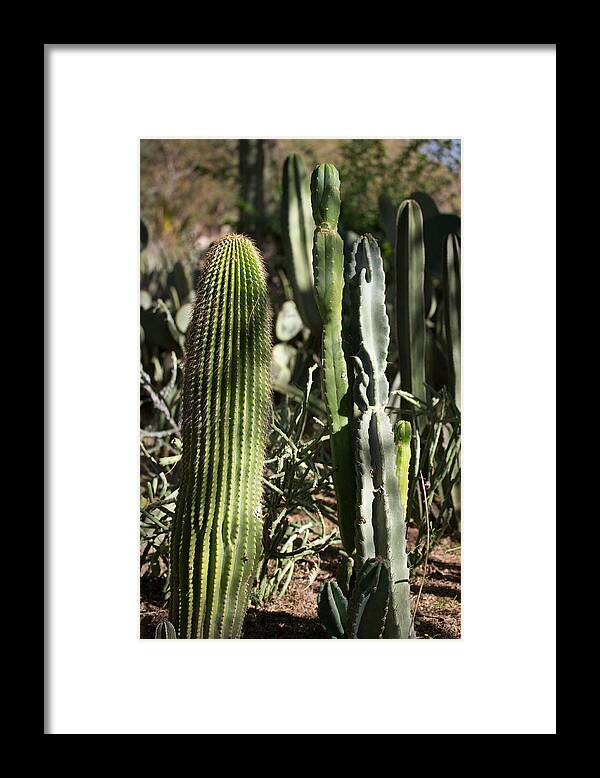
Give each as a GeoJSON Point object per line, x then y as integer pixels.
{"type": "Point", "coordinates": [216, 536]}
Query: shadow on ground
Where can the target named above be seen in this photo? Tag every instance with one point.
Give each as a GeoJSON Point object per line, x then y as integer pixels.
{"type": "Point", "coordinates": [279, 624]}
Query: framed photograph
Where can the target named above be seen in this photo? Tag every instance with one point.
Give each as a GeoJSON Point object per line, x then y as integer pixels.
{"type": "Point", "coordinates": [291, 340]}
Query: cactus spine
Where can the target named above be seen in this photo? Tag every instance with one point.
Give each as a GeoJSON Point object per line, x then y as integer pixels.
{"type": "Point", "coordinates": [216, 535]}
{"type": "Point", "coordinates": [451, 285]}
{"type": "Point", "coordinates": [410, 298]}
{"type": "Point", "coordinates": [380, 522]}
{"type": "Point", "coordinates": [328, 265]}
{"type": "Point", "coordinates": [297, 233]}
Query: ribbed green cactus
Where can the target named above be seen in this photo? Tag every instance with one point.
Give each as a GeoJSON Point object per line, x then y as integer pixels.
{"type": "Point", "coordinates": [297, 228]}
{"type": "Point", "coordinates": [380, 522]}
{"type": "Point", "coordinates": [165, 631]}
{"type": "Point", "coordinates": [365, 614]}
{"type": "Point", "coordinates": [410, 299]}
{"type": "Point", "coordinates": [216, 536]}
{"type": "Point", "coordinates": [328, 265]}
{"type": "Point", "coordinates": [402, 438]}
{"type": "Point", "coordinates": [332, 607]}
{"type": "Point", "coordinates": [370, 601]}
{"type": "Point", "coordinates": [451, 286]}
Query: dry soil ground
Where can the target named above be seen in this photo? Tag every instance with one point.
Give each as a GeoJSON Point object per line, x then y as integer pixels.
{"type": "Point", "coordinates": [295, 614]}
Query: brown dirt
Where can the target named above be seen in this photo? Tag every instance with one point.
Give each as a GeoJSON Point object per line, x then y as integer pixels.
{"type": "Point", "coordinates": [438, 614]}
{"type": "Point", "coordinates": [295, 614]}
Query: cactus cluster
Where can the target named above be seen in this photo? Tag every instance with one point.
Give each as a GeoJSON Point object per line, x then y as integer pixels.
{"type": "Point", "coordinates": [365, 613]}
{"type": "Point", "coordinates": [426, 246]}
{"type": "Point", "coordinates": [372, 521]}
{"type": "Point", "coordinates": [216, 533]}
{"type": "Point", "coordinates": [380, 525]}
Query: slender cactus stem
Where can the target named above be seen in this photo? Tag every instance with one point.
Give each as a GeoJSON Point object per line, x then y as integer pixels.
{"type": "Point", "coordinates": [410, 300]}
{"type": "Point", "coordinates": [297, 228]}
{"type": "Point", "coordinates": [328, 264]}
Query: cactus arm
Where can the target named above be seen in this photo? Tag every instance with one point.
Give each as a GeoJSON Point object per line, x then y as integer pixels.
{"type": "Point", "coordinates": [216, 535]}
{"type": "Point", "coordinates": [328, 266]}
{"type": "Point", "coordinates": [380, 522]}
{"type": "Point", "coordinates": [451, 287]}
{"type": "Point", "coordinates": [297, 232]}
{"type": "Point", "coordinates": [390, 525]}
{"type": "Point", "coordinates": [368, 607]}
{"type": "Point", "coordinates": [402, 438]}
{"type": "Point", "coordinates": [332, 607]}
{"type": "Point", "coordinates": [329, 282]}
{"type": "Point", "coordinates": [165, 631]}
{"type": "Point", "coordinates": [364, 533]}
{"type": "Point", "coordinates": [410, 298]}
{"type": "Point", "coordinates": [343, 574]}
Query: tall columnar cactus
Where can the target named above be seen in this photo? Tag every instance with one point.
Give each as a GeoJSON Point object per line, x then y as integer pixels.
{"type": "Point", "coordinates": [380, 521]}
{"type": "Point", "coordinates": [328, 265]}
{"type": "Point", "coordinates": [451, 286]}
{"type": "Point", "coordinates": [410, 298]}
{"type": "Point", "coordinates": [217, 530]}
{"type": "Point", "coordinates": [297, 228]}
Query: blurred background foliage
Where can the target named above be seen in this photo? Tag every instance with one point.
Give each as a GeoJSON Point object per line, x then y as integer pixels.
{"type": "Point", "coordinates": [193, 191]}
